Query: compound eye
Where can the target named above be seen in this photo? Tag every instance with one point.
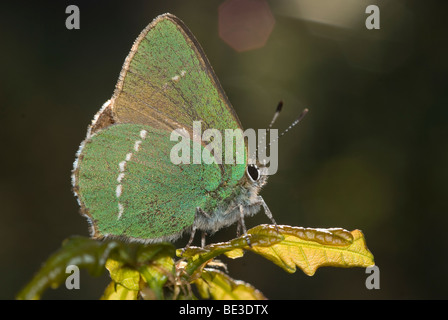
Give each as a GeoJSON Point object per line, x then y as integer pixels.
{"type": "Point", "coordinates": [253, 172]}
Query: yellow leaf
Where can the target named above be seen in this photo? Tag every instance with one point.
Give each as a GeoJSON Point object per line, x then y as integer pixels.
{"type": "Point", "coordinates": [310, 248]}
{"type": "Point", "coordinates": [233, 254]}
{"type": "Point", "coordinates": [220, 286]}
{"type": "Point", "coordinates": [290, 247]}
{"type": "Point", "coordinates": [123, 275]}
{"type": "Point", "coordinates": [115, 291]}
{"type": "Point", "coordinates": [198, 258]}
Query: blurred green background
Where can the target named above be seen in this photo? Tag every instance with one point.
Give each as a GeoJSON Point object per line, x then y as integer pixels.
{"type": "Point", "coordinates": [372, 153]}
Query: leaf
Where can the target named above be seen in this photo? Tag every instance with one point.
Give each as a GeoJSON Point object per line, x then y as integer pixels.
{"type": "Point", "coordinates": [290, 247]}
{"type": "Point", "coordinates": [197, 257]}
{"type": "Point", "coordinates": [122, 275]}
{"type": "Point", "coordinates": [91, 255]}
{"type": "Point", "coordinates": [218, 285]}
{"type": "Point", "coordinates": [157, 273]}
{"type": "Point", "coordinates": [136, 268]}
{"type": "Point", "coordinates": [82, 252]}
{"type": "Point", "coordinates": [115, 291]}
{"type": "Point", "coordinates": [233, 254]}
{"type": "Point", "coordinates": [310, 249]}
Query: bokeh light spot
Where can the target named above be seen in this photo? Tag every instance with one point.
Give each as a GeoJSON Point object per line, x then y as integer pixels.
{"type": "Point", "coordinates": [245, 24]}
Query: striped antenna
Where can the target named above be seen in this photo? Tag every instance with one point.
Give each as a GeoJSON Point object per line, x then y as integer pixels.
{"type": "Point", "coordinates": [274, 118]}
{"type": "Point", "coordinates": [299, 118]}
{"type": "Point", "coordinates": [277, 112]}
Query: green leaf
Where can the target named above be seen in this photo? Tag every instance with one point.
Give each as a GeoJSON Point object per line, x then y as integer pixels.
{"type": "Point", "coordinates": [218, 285]}
{"type": "Point", "coordinates": [91, 255]}
{"type": "Point", "coordinates": [157, 273]}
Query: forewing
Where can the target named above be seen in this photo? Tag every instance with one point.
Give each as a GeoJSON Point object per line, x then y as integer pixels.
{"type": "Point", "coordinates": [167, 82]}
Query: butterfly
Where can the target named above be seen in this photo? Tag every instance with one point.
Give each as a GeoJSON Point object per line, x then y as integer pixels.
{"type": "Point", "coordinates": [123, 178]}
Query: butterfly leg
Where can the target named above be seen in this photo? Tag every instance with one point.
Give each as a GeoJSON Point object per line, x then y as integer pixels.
{"type": "Point", "coordinates": [268, 212]}
{"type": "Point", "coordinates": [238, 229]}
{"type": "Point", "coordinates": [193, 232]}
{"type": "Point", "coordinates": [243, 226]}
{"type": "Point", "coordinates": [204, 234]}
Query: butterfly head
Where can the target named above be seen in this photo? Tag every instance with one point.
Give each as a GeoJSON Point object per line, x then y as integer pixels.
{"type": "Point", "coordinates": [255, 177]}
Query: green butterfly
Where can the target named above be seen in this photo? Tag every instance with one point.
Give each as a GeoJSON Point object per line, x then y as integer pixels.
{"type": "Point", "coordinates": [123, 178]}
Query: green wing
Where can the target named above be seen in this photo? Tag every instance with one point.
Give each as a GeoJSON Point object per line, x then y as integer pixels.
{"type": "Point", "coordinates": [130, 188]}
{"type": "Point", "coordinates": [167, 82]}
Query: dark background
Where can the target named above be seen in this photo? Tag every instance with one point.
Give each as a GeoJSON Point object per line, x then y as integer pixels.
{"type": "Point", "coordinates": [372, 153]}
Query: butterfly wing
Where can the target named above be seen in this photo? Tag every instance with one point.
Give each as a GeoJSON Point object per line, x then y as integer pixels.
{"type": "Point", "coordinates": [166, 83]}
{"type": "Point", "coordinates": [128, 186]}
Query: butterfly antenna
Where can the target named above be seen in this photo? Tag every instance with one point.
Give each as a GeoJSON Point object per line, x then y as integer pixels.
{"type": "Point", "coordinates": [274, 118]}
{"type": "Point", "coordinates": [277, 112]}
{"type": "Point", "coordinates": [299, 118]}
